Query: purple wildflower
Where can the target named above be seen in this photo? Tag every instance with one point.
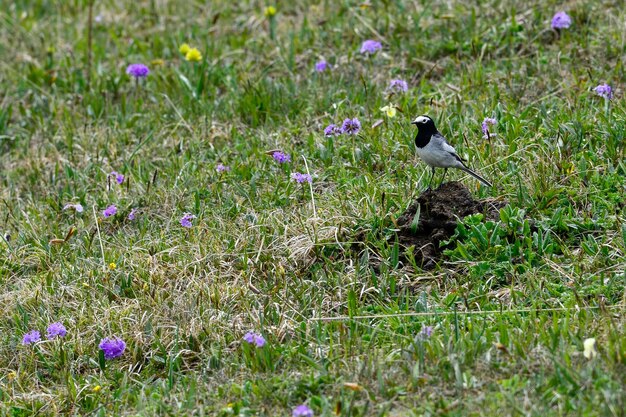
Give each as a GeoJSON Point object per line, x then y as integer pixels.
{"type": "Point", "coordinates": [322, 66]}
{"type": "Point", "coordinates": [426, 332]}
{"type": "Point", "coordinates": [370, 47]}
{"type": "Point", "coordinates": [604, 90]}
{"type": "Point", "coordinates": [254, 339]}
{"type": "Point", "coordinates": [31, 337]}
{"type": "Point", "coordinates": [132, 214]}
{"type": "Point", "coordinates": [561, 20]}
{"type": "Point", "coordinates": [185, 221]}
{"type": "Point", "coordinates": [259, 341]}
{"type": "Point", "coordinates": [302, 411]}
{"type": "Point", "coordinates": [398, 86]}
{"type": "Point", "coordinates": [351, 126]}
{"type": "Point", "coordinates": [332, 130]}
{"type": "Point", "coordinates": [78, 207]}
{"type": "Point", "coordinates": [222, 168]}
{"type": "Point", "coordinates": [112, 347]}
{"type": "Point", "coordinates": [485, 125]}
{"type": "Point", "coordinates": [56, 330]}
{"type": "Point", "coordinates": [110, 211]}
{"type": "Point", "coordinates": [300, 178]}
{"type": "Point", "coordinates": [137, 70]}
{"type": "Point", "coordinates": [281, 157]}
{"type": "Point", "coordinates": [119, 178]}
{"type": "Point", "coordinates": [249, 337]}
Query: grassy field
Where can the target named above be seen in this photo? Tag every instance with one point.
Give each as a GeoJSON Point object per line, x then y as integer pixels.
{"type": "Point", "coordinates": [497, 328]}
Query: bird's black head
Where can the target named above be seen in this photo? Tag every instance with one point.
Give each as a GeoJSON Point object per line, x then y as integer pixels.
{"type": "Point", "coordinates": [425, 129]}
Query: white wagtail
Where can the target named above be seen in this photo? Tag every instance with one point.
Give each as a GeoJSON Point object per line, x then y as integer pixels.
{"type": "Point", "coordinates": [436, 152]}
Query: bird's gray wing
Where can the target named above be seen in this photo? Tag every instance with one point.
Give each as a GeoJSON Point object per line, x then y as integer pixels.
{"type": "Point", "coordinates": [447, 147]}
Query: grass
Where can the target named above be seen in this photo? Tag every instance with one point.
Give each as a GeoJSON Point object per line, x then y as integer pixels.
{"type": "Point", "coordinates": [269, 255]}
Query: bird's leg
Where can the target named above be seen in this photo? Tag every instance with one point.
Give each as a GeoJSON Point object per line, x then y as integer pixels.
{"type": "Point", "coordinates": [445, 171]}
{"type": "Point", "coordinates": [431, 178]}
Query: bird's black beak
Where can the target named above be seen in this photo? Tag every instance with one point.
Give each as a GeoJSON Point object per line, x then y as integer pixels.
{"type": "Point", "coordinates": [414, 123]}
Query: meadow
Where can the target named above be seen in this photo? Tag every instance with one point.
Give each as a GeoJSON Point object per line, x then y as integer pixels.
{"type": "Point", "coordinates": [185, 233]}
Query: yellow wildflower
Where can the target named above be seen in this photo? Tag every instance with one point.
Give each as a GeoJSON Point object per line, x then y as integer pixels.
{"type": "Point", "coordinates": [157, 62]}
{"type": "Point", "coordinates": [193, 55]}
{"type": "Point", "coordinates": [97, 388]}
{"type": "Point", "coordinates": [589, 346]}
{"type": "Point", "coordinates": [184, 48]}
{"type": "Point", "coordinates": [269, 11]}
{"type": "Point", "coordinates": [12, 375]}
{"type": "Point", "coordinates": [390, 109]}
{"type": "Point", "coordinates": [112, 266]}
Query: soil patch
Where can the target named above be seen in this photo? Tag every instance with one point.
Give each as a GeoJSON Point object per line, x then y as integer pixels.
{"type": "Point", "coordinates": [439, 212]}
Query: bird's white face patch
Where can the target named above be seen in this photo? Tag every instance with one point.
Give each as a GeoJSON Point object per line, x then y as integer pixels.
{"type": "Point", "coordinates": [421, 119]}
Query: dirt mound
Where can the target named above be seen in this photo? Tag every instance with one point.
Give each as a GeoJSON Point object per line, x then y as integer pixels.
{"type": "Point", "coordinates": [439, 211]}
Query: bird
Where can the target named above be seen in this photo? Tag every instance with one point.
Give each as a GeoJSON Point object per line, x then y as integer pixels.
{"type": "Point", "coordinates": [433, 149]}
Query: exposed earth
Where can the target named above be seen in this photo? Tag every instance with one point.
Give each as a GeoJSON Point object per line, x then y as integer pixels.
{"type": "Point", "coordinates": [438, 213]}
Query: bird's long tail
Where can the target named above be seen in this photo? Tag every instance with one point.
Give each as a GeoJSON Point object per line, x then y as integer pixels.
{"type": "Point", "coordinates": [475, 175]}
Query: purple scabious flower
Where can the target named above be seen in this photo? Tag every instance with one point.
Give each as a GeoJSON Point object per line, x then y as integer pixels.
{"type": "Point", "coordinates": [56, 330]}
{"type": "Point", "coordinates": [398, 86]}
{"type": "Point", "coordinates": [254, 339]}
{"type": "Point", "coordinates": [370, 47]}
{"type": "Point", "coordinates": [604, 90]}
{"type": "Point", "coordinates": [222, 168]}
{"type": "Point", "coordinates": [322, 66]}
{"type": "Point", "coordinates": [302, 411]}
{"type": "Point", "coordinates": [119, 178]}
{"type": "Point", "coordinates": [185, 221]}
{"type": "Point", "coordinates": [78, 207]}
{"type": "Point", "coordinates": [133, 214]}
{"type": "Point", "coordinates": [137, 70]}
{"type": "Point", "coordinates": [561, 20]}
{"type": "Point", "coordinates": [113, 347]}
{"type": "Point", "coordinates": [485, 125]}
{"type": "Point", "coordinates": [110, 211]}
{"type": "Point", "coordinates": [301, 178]}
{"type": "Point", "coordinates": [31, 337]}
{"type": "Point", "coordinates": [351, 126]}
{"type": "Point", "coordinates": [332, 130]}
{"type": "Point", "coordinates": [281, 157]}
